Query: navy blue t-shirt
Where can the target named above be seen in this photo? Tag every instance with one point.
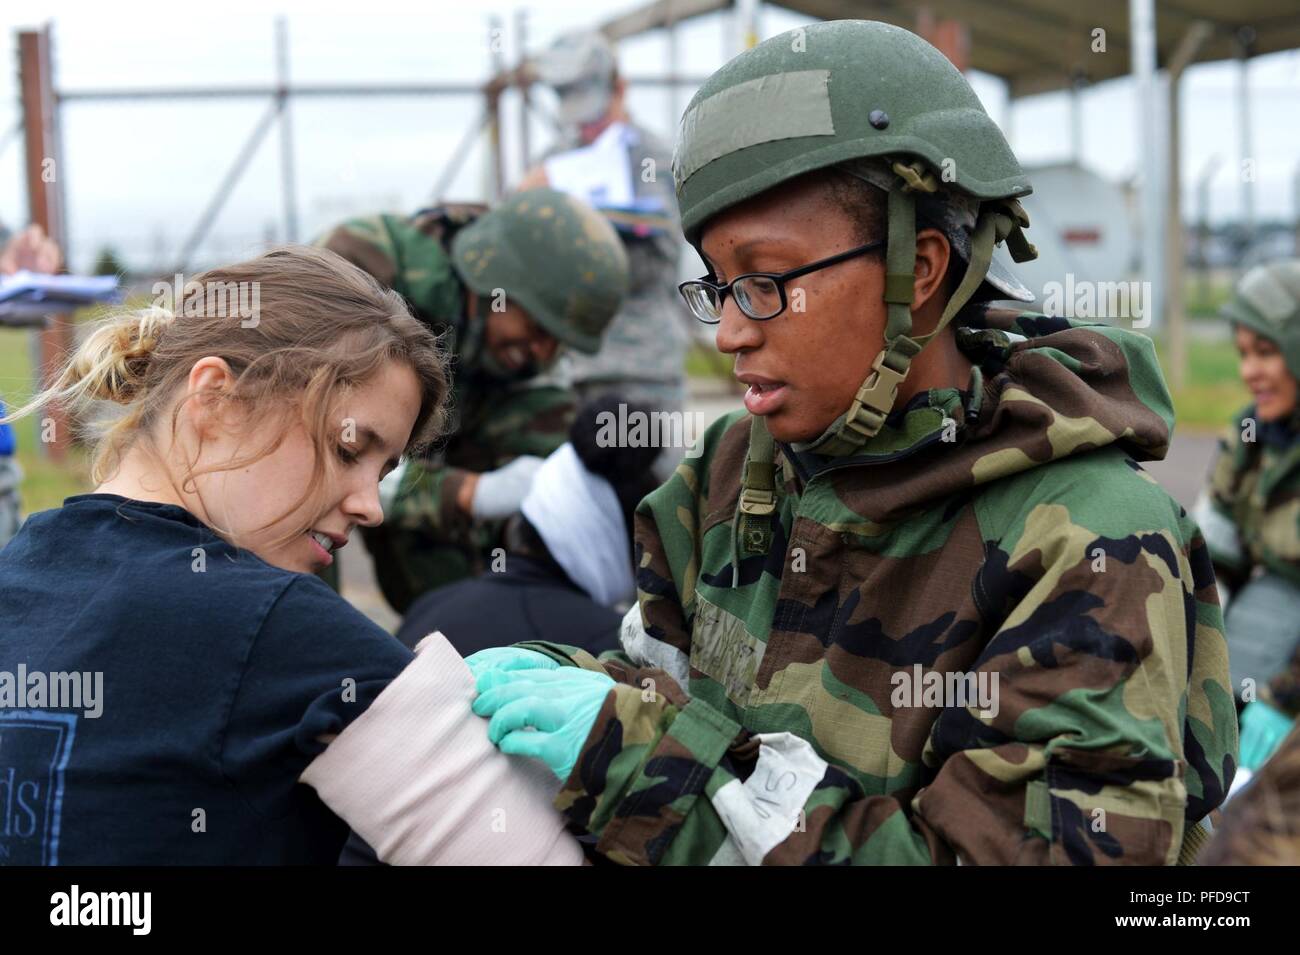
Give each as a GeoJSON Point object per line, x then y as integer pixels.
{"type": "Point", "coordinates": [219, 674]}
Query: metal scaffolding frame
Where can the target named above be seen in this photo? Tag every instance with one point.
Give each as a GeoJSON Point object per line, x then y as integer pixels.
{"type": "Point", "coordinates": [48, 98]}
{"type": "Point", "coordinates": [1195, 36]}
{"type": "Point", "coordinates": [1039, 46]}
{"type": "Point", "coordinates": [42, 100]}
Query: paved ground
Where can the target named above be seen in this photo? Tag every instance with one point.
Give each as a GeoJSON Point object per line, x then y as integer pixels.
{"type": "Point", "coordinates": [1182, 473]}
{"type": "Point", "coordinates": [1187, 467]}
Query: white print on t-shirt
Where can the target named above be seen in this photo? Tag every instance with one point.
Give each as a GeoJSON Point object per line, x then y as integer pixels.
{"type": "Point", "coordinates": [35, 747]}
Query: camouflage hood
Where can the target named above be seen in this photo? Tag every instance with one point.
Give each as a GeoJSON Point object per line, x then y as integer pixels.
{"type": "Point", "coordinates": [1043, 389]}
{"type": "Point", "coordinates": [1079, 590]}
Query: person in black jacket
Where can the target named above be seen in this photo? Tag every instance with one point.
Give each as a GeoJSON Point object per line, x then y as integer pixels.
{"type": "Point", "coordinates": [566, 575]}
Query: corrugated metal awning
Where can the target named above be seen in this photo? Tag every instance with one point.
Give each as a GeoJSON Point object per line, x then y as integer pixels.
{"type": "Point", "coordinates": [1037, 46]}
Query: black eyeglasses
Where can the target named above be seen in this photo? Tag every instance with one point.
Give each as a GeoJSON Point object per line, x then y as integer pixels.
{"type": "Point", "coordinates": [760, 295]}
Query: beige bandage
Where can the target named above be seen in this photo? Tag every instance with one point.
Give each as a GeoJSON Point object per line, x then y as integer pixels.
{"type": "Point", "coordinates": [416, 777]}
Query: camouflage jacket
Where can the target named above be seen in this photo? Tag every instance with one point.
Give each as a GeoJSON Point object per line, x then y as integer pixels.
{"type": "Point", "coordinates": [1253, 514]}
{"type": "Point", "coordinates": [492, 422]}
{"type": "Point", "coordinates": [1251, 517]}
{"type": "Point", "coordinates": [787, 716]}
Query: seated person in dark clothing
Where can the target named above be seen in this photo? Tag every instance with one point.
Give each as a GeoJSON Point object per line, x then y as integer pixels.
{"type": "Point", "coordinates": [566, 574]}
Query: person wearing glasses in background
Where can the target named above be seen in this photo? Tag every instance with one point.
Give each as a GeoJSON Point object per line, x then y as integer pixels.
{"type": "Point", "coordinates": [918, 603]}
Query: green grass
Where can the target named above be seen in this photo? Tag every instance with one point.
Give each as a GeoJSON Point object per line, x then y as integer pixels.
{"type": "Point", "coordinates": [45, 483]}
{"type": "Point", "coordinates": [1213, 393]}
{"type": "Point", "coordinates": [1205, 303]}
{"type": "Point", "coordinates": [703, 361]}
{"type": "Point", "coordinates": [1214, 390]}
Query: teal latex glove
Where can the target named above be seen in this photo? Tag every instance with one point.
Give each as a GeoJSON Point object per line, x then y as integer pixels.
{"type": "Point", "coordinates": [545, 714]}
{"type": "Point", "coordinates": [1263, 728]}
{"type": "Point", "coordinates": [508, 658]}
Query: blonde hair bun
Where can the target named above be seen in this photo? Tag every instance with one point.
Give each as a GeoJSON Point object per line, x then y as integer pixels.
{"type": "Point", "coordinates": [111, 364]}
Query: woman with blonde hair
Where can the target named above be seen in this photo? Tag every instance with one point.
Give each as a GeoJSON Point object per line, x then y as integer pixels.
{"type": "Point", "coordinates": [172, 670]}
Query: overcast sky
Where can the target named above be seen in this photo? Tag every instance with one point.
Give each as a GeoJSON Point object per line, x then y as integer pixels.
{"type": "Point", "coordinates": [138, 175]}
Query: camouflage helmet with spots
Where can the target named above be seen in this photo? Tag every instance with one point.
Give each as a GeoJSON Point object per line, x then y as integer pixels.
{"type": "Point", "coordinates": [1267, 301]}
{"type": "Point", "coordinates": [552, 255]}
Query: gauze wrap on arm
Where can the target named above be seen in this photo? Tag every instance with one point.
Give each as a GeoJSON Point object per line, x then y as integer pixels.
{"type": "Point", "coordinates": [416, 777]}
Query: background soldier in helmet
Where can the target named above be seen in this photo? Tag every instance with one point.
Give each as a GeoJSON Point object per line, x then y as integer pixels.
{"type": "Point", "coordinates": [1251, 511]}
{"type": "Point", "coordinates": [921, 603]}
{"type": "Point", "coordinates": [508, 288]}
{"type": "Point", "coordinates": [624, 170]}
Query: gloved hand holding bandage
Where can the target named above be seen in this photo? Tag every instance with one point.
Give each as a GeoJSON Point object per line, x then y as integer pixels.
{"type": "Point", "coordinates": [415, 778]}
{"type": "Point", "coordinates": [508, 658]}
{"type": "Point", "coordinates": [545, 714]}
{"type": "Point", "coordinates": [499, 493]}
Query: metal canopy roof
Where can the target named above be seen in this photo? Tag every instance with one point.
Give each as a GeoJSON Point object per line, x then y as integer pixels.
{"type": "Point", "coordinates": [1038, 46]}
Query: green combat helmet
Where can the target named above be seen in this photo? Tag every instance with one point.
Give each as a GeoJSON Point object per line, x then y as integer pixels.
{"type": "Point", "coordinates": [553, 255]}
{"type": "Point", "coordinates": [1267, 301]}
{"type": "Point", "coordinates": [876, 101]}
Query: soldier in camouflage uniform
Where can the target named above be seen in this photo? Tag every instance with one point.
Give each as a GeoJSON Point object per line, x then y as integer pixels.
{"type": "Point", "coordinates": [1250, 512]}
{"type": "Point", "coordinates": [506, 288]}
{"type": "Point", "coordinates": [824, 589]}
{"type": "Point", "coordinates": [644, 351]}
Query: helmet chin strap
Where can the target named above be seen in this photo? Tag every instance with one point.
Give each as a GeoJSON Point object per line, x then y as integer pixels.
{"type": "Point", "coordinates": [878, 393]}
{"type": "Point", "coordinates": [997, 222]}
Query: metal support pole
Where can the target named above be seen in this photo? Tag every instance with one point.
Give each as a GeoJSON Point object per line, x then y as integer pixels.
{"type": "Point", "coordinates": [1076, 123]}
{"type": "Point", "coordinates": [288, 185]}
{"type": "Point", "coordinates": [200, 230]}
{"type": "Point", "coordinates": [495, 172]}
{"type": "Point", "coordinates": [747, 25]}
{"type": "Point", "coordinates": [1142, 30]}
{"type": "Point", "coordinates": [1246, 172]}
{"type": "Point", "coordinates": [524, 81]}
{"type": "Point", "coordinates": [43, 167]}
{"type": "Point", "coordinates": [458, 157]}
{"type": "Point", "coordinates": [1009, 120]}
{"type": "Point", "coordinates": [674, 63]}
{"type": "Point", "coordinates": [1203, 229]}
{"type": "Point", "coordinates": [1295, 198]}
{"type": "Point", "coordinates": [1190, 44]}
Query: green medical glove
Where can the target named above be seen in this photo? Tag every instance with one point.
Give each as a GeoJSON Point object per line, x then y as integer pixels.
{"type": "Point", "coordinates": [508, 658]}
{"type": "Point", "coordinates": [545, 714]}
{"type": "Point", "coordinates": [1263, 728]}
